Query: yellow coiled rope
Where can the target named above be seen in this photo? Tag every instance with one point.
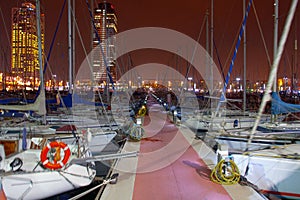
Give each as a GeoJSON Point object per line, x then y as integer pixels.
{"type": "Point", "coordinates": [142, 111]}
{"type": "Point", "coordinates": [225, 173]}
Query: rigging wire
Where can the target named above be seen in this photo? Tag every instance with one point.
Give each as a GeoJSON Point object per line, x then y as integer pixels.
{"type": "Point", "coordinates": [219, 60]}
{"type": "Point", "coordinates": [6, 32]}
{"type": "Point", "coordinates": [195, 49]}
{"type": "Point", "coordinates": [193, 55]}
{"type": "Point", "coordinates": [223, 37]}
{"type": "Point", "coordinates": [90, 67]}
{"type": "Point", "coordinates": [261, 34]}
{"type": "Point", "coordinates": [51, 46]}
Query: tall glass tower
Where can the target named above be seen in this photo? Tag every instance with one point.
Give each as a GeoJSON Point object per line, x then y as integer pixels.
{"type": "Point", "coordinates": [106, 24]}
{"type": "Point", "coordinates": [24, 51]}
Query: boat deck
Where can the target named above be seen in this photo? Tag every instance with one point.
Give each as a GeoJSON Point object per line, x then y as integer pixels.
{"type": "Point", "coordinates": [171, 165]}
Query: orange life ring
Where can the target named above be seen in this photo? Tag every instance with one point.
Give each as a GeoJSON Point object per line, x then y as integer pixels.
{"type": "Point", "coordinates": [56, 164]}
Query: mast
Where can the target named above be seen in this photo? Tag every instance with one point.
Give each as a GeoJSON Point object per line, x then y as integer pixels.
{"type": "Point", "coordinates": [92, 29]}
{"type": "Point", "coordinates": [274, 68]}
{"type": "Point", "coordinates": [70, 46]}
{"type": "Point", "coordinates": [38, 23]}
{"type": "Point", "coordinates": [207, 44]}
{"type": "Point", "coordinates": [211, 43]}
{"type": "Point", "coordinates": [223, 94]}
{"type": "Point", "coordinates": [40, 58]}
{"type": "Point", "coordinates": [245, 61]}
{"type": "Point", "coordinates": [106, 46]}
{"type": "Point", "coordinates": [4, 58]}
{"type": "Point", "coordinates": [275, 39]}
{"type": "Point", "coordinates": [73, 42]}
{"type": "Point", "coordinates": [275, 44]}
{"type": "Point", "coordinates": [295, 65]}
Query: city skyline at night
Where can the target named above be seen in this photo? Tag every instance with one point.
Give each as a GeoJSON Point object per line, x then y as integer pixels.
{"type": "Point", "coordinates": [186, 18]}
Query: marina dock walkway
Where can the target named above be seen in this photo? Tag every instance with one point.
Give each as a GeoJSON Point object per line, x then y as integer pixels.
{"type": "Point", "coordinates": [171, 164]}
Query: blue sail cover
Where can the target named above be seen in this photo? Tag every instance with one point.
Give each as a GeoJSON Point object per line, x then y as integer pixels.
{"type": "Point", "coordinates": [79, 100]}
{"type": "Point", "coordinates": [281, 107]}
{"type": "Point", "coordinates": [67, 101]}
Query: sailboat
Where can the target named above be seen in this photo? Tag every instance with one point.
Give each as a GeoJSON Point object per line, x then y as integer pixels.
{"type": "Point", "coordinates": [224, 119]}
{"type": "Point", "coordinates": [59, 167]}
{"type": "Point", "coordinates": [275, 170]}
{"type": "Point", "coordinates": [41, 182]}
{"type": "Point", "coordinates": [63, 163]}
{"type": "Point", "coordinates": [280, 107]}
{"type": "Point", "coordinates": [25, 176]}
{"type": "Point", "coordinates": [78, 118]}
{"type": "Point", "coordinates": [231, 127]}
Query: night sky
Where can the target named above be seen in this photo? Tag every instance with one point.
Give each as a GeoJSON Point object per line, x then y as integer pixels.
{"type": "Point", "coordinates": [183, 16]}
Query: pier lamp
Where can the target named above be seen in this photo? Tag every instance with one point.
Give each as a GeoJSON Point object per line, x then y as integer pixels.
{"type": "Point", "coordinates": [174, 116]}
{"type": "Point", "coordinates": [139, 121]}
{"type": "Point", "coordinates": [139, 127]}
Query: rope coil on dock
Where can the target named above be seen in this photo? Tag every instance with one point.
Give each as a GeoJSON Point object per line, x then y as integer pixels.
{"type": "Point", "coordinates": [225, 172]}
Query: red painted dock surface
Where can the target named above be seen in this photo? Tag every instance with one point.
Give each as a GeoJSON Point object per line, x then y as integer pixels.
{"type": "Point", "coordinates": [170, 166]}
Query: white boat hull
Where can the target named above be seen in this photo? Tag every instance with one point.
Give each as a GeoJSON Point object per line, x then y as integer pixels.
{"type": "Point", "coordinates": [271, 172]}
{"type": "Point", "coordinates": [39, 185]}
{"type": "Point", "coordinates": [205, 123]}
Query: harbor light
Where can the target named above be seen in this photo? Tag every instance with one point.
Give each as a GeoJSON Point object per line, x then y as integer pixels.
{"type": "Point", "coordinates": [175, 112]}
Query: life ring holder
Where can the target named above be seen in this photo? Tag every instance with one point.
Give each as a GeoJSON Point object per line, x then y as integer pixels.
{"type": "Point", "coordinates": [56, 164]}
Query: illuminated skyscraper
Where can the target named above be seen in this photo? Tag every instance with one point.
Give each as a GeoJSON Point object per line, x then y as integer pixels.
{"type": "Point", "coordinates": [24, 62]}
{"type": "Point", "coordinates": [106, 24]}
